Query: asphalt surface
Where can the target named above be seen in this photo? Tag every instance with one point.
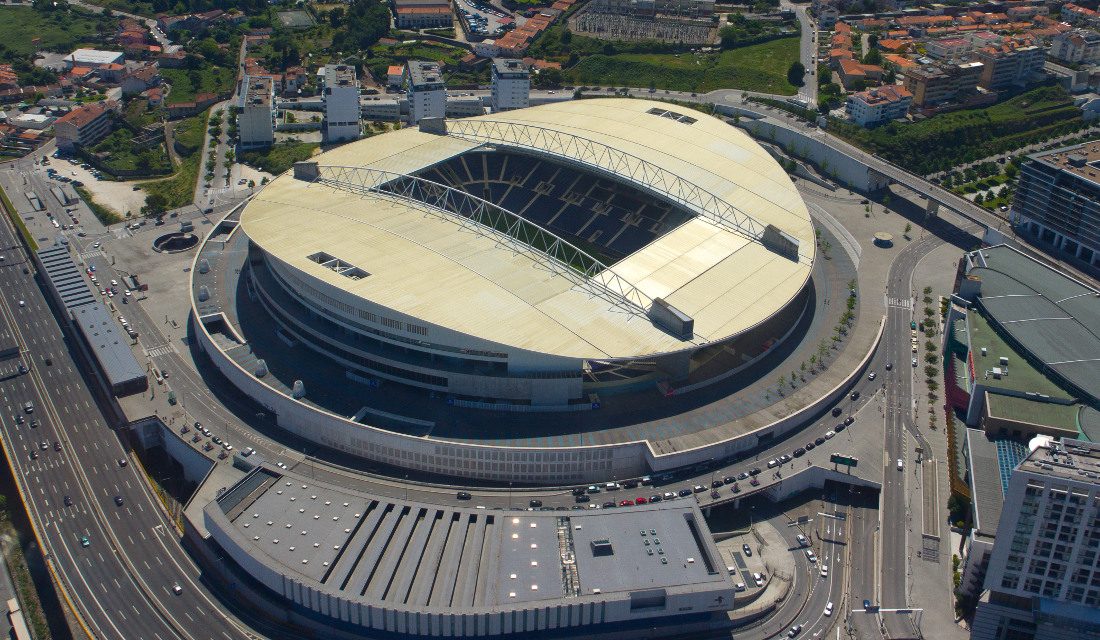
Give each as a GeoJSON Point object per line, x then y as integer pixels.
{"type": "Point", "coordinates": [122, 581]}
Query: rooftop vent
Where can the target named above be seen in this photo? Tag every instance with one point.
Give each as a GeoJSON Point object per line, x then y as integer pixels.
{"type": "Point", "coordinates": [602, 547]}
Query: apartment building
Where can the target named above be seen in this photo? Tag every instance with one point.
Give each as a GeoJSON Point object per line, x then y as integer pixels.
{"type": "Point", "coordinates": [511, 85]}
{"type": "Point", "coordinates": [1007, 66]}
{"type": "Point", "coordinates": [1058, 200]}
{"type": "Point", "coordinates": [341, 96]}
{"type": "Point", "coordinates": [948, 48]}
{"type": "Point", "coordinates": [936, 84]}
{"type": "Point", "coordinates": [1043, 578]}
{"type": "Point", "coordinates": [256, 121]}
{"type": "Point", "coordinates": [1079, 46]}
{"type": "Point", "coordinates": [84, 125]}
{"type": "Point", "coordinates": [878, 106]}
{"type": "Point", "coordinates": [426, 90]}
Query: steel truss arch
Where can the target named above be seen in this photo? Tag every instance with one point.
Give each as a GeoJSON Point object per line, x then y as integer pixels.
{"type": "Point", "coordinates": [587, 152]}
{"type": "Point", "coordinates": [490, 220]}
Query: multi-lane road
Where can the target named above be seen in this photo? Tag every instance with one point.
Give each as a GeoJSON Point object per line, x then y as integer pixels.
{"type": "Point", "coordinates": [122, 581]}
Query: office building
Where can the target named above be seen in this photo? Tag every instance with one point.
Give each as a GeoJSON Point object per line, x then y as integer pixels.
{"type": "Point", "coordinates": [878, 106]}
{"type": "Point", "coordinates": [511, 85]}
{"type": "Point", "coordinates": [256, 121]}
{"type": "Point", "coordinates": [1079, 46]}
{"type": "Point", "coordinates": [426, 90]}
{"type": "Point", "coordinates": [1058, 201]}
{"type": "Point", "coordinates": [1009, 66]}
{"type": "Point", "coordinates": [1043, 579]}
{"type": "Point", "coordinates": [341, 97]}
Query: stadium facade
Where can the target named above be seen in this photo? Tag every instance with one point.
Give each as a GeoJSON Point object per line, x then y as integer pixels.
{"type": "Point", "coordinates": [533, 260]}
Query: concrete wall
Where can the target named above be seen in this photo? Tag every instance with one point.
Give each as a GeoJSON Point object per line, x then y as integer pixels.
{"type": "Point", "coordinates": [829, 161]}
{"type": "Point", "coordinates": [152, 432]}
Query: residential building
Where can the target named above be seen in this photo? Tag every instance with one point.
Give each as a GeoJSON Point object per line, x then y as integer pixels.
{"type": "Point", "coordinates": [1007, 66]}
{"type": "Point", "coordinates": [936, 84]}
{"type": "Point", "coordinates": [1076, 14]}
{"type": "Point", "coordinates": [395, 75]}
{"type": "Point", "coordinates": [140, 79]}
{"type": "Point", "coordinates": [93, 58]}
{"type": "Point", "coordinates": [426, 90]}
{"type": "Point", "coordinates": [1042, 580]}
{"type": "Point", "coordinates": [84, 125]}
{"type": "Point", "coordinates": [256, 121]}
{"type": "Point", "coordinates": [511, 85]}
{"type": "Point", "coordinates": [948, 48]}
{"type": "Point", "coordinates": [341, 96]}
{"type": "Point", "coordinates": [878, 106]}
{"type": "Point", "coordinates": [423, 14]}
{"type": "Point", "coordinates": [1080, 46]}
{"type": "Point", "coordinates": [856, 75]}
{"type": "Point", "coordinates": [1058, 200]}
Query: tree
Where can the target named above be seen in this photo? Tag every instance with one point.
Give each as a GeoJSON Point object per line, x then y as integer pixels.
{"type": "Point", "coordinates": [549, 77]}
{"type": "Point", "coordinates": [978, 199]}
{"type": "Point", "coordinates": [908, 228]}
{"type": "Point", "coordinates": [796, 74]}
{"type": "Point", "coordinates": [155, 203]}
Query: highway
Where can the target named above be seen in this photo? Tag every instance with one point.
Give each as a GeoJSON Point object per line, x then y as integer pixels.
{"type": "Point", "coordinates": [122, 582]}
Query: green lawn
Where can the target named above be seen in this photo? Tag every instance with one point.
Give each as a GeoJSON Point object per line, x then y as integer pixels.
{"type": "Point", "coordinates": [179, 190]}
{"type": "Point", "coordinates": [59, 30]}
{"type": "Point", "coordinates": [117, 154]}
{"type": "Point", "coordinates": [189, 132]}
{"type": "Point", "coordinates": [187, 83]}
{"type": "Point", "coordinates": [761, 67]}
{"type": "Point", "coordinates": [280, 157]}
{"type": "Point", "coordinates": [382, 56]}
{"type": "Point", "coordinates": [950, 139]}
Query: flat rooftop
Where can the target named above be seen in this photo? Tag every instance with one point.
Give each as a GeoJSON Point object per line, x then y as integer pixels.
{"type": "Point", "coordinates": [1053, 316]}
{"type": "Point", "coordinates": [420, 555]}
{"type": "Point", "coordinates": [1019, 375]}
{"type": "Point", "coordinates": [339, 75]}
{"type": "Point", "coordinates": [1082, 160]}
{"type": "Point", "coordinates": [510, 67]}
{"type": "Point", "coordinates": [726, 282]}
{"type": "Point", "coordinates": [425, 74]}
{"type": "Point", "coordinates": [259, 91]}
{"type": "Point", "coordinates": [1062, 416]}
{"type": "Point", "coordinates": [987, 463]}
{"type": "Point", "coordinates": [1067, 459]}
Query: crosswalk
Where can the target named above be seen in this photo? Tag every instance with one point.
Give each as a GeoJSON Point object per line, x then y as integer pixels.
{"type": "Point", "coordinates": [160, 350]}
{"type": "Point", "coordinates": [94, 253]}
{"type": "Point", "coordinates": [899, 303]}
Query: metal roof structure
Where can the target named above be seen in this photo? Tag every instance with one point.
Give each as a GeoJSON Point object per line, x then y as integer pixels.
{"type": "Point", "coordinates": [66, 279]}
{"type": "Point", "coordinates": [1054, 318]}
{"type": "Point", "coordinates": [111, 348]}
{"type": "Point", "coordinates": [399, 555]}
{"type": "Point", "coordinates": [720, 268]}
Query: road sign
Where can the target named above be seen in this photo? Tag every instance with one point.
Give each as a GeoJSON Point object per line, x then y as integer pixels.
{"type": "Point", "coordinates": [848, 461]}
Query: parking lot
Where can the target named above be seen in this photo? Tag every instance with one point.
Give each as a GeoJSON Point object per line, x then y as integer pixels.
{"type": "Point", "coordinates": [119, 196]}
{"type": "Point", "coordinates": [484, 20]}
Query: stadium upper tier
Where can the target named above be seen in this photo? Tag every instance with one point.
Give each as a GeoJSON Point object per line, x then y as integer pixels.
{"type": "Point", "coordinates": [673, 205]}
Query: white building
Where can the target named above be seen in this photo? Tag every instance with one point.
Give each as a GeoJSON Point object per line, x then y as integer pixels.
{"type": "Point", "coordinates": [1043, 578]}
{"type": "Point", "coordinates": [1079, 46]}
{"type": "Point", "coordinates": [425, 89]}
{"type": "Point", "coordinates": [511, 84]}
{"type": "Point", "coordinates": [341, 95]}
{"type": "Point", "coordinates": [464, 106]}
{"type": "Point", "coordinates": [256, 121]}
{"type": "Point", "coordinates": [878, 106]}
{"type": "Point", "coordinates": [384, 109]}
{"type": "Point", "coordinates": [93, 58]}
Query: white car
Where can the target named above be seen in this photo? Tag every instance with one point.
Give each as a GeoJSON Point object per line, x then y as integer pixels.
{"type": "Point", "coordinates": [758, 579]}
{"type": "Point", "coordinates": [824, 571]}
{"type": "Point", "coordinates": [829, 435]}
{"type": "Point", "coordinates": [872, 375]}
{"type": "Point", "coordinates": [914, 362]}
{"type": "Point", "coordinates": [22, 303]}
{"type": "Point", "coordinates": [740, 586]}
{"type": "Point", "coordinates": [901, 464]}
{"type": "Point", "coordinates": [802, 542]}
{"type": "Point", "coordinates": [96, 245]}
{"type": "Point", "coordinates": [114, 283]}
{"type": "Point", "coordinates": [829, 609]}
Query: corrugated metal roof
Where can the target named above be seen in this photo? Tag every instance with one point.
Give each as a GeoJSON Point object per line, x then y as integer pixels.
{"type": "Point", "coordinates": [109, 345]}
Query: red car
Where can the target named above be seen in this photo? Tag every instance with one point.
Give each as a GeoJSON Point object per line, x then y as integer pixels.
{"type": "Point", "coordinates": [754, 482]}
{"type": "Point", "coordinates": [641, 500]}
{"type": "Point", "coordinates": [626, 503]}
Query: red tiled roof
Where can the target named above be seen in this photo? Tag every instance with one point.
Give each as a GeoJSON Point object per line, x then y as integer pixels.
{"type": "Point", "coordinates": [84, 114]}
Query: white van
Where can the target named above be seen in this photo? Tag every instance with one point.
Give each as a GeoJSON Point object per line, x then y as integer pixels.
{"type": "Point", "coordinates": [901, 464]}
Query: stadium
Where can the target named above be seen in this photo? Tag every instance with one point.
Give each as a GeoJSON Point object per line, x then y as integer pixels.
{"type": "Point", "coordinates": [532, 262]}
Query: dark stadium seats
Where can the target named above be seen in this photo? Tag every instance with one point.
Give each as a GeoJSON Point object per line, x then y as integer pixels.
{"type": "Point", "coordinates": [603, 216]}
